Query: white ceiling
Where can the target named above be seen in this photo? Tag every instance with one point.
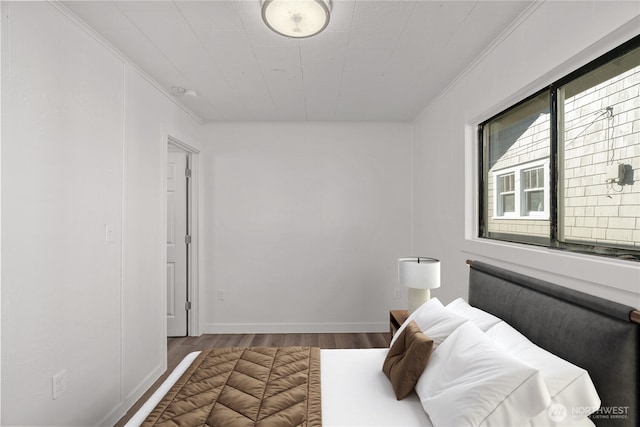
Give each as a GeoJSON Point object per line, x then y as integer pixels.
{"type": "Point", "coordinates": [376, 61]}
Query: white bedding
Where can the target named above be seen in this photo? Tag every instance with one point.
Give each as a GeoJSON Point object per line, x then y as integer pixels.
{"type": "Point", "coordinates": [355, 392]}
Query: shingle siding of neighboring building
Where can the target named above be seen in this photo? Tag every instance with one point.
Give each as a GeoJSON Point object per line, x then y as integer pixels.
{"type": "Point", "coordinates": [594, 139]}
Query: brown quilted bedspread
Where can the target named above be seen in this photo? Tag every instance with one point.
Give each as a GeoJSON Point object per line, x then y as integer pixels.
{"type": "Point", "coordinates": [245, 387]}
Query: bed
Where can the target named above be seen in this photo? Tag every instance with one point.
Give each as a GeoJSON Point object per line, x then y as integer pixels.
{"type": "Point", "coordinates": [509, 314]}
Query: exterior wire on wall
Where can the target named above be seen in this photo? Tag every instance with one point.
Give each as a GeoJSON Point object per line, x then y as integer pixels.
{"type": "Point", "coordinates": [606, 111]}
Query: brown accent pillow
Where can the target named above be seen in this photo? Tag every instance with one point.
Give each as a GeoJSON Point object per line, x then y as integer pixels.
{"type": "Point", "coordinates": [406, 359]}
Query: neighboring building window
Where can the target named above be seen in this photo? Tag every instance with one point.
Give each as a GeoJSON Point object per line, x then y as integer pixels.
{"type": "Point", "coordinates": [521, 191]}
{"type": "Point", "coordinates": [561, 168]}
{"type": "Point", "coordinates": [506, 194]}
{"type": "Point", "coordinates": [534, 189]}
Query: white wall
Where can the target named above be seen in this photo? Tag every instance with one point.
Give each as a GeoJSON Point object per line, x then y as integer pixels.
{"type": "Point", "coordinates": [305, 222]}
{"type": "Point", "coordinates": [149, 121]}
{"type": "Point", "coordinates": [83, 145]}
{"type": "Point", "coordinates": [549, 41]}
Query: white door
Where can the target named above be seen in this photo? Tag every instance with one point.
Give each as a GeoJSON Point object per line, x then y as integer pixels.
{"type": "Point", "coordinates": [177, 228]}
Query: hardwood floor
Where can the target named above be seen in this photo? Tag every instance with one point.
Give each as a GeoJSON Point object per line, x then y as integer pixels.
{"type": "Point", "coordinates": [178, 348]}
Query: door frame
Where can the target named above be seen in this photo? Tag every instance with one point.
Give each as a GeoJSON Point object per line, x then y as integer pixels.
{"type": "Point", "coordinates": [193, 324]}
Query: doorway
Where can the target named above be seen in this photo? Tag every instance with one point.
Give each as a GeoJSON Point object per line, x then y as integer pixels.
{"type": "Point", "coordinates": [181, 268]}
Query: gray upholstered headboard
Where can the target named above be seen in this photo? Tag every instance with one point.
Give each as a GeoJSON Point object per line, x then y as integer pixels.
{"type": "Point", "coordinates": [591, 332]}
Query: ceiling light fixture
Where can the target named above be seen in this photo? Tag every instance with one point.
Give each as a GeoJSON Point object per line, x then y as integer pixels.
{"type": "Point", "coordinates": [296, 18]}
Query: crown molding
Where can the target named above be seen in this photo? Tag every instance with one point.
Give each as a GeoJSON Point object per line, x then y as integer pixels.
{"type": "Point", "coordinates": [124, 58]}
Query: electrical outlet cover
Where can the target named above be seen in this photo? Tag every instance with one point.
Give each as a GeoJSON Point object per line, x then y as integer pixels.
{"type": "Point", "coordinates": [59, 384]}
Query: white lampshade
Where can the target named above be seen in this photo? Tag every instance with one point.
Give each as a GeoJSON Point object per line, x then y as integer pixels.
{"type": "Point", "coordinates": [419, 275]}
{"type": "Point", "coordinates": [296, 18]}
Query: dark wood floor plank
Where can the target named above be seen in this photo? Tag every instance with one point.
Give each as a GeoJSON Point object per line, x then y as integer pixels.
{"type": "Point", "coordinates": [178, 348]}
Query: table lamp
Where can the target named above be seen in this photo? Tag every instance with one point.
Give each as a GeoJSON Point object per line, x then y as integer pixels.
{"type": "Point", "coordinates": [420, 275]}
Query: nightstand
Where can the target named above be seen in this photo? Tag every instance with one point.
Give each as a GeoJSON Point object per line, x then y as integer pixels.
{"type": "Point", "coordinates": [396, 319]}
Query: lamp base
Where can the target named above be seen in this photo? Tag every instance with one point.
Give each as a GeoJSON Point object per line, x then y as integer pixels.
{"type": "Point", "coordinates": [417, 297]}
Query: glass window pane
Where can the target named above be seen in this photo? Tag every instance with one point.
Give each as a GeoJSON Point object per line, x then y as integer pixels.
{"type": "Point", "coordinates": [534, 178]}
{"type": "Point", "coordinates": [506, 183]}
{"type": "Point", "coordinates": [535, 201]}
{"type": "Point", "coordinates": [509, 202]}
{"type": "Point", "coordinates": [540, 177]}
{"type": "Point", "coordinates": [512, 141]}
{"type": "Point", "coordinates": [599, 115]}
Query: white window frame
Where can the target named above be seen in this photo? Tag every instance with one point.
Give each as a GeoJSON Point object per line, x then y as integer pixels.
{"type": "Point", "coordinates": [518, 172]}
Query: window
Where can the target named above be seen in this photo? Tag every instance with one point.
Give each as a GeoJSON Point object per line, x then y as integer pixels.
{"type": "Point", "coordinates": [516, 145]}
{"type": "Point", "coordinates": [523, 186]}
{"type": "Point", "coordinates": [559, 168]}
{"type": "Point", "coordinates": [534, 188]}
{"type": "Point", "coordinates": [506, 194]}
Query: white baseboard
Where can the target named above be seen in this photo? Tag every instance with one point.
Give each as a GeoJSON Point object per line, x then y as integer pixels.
{"type": "Point", "coordinates": [114, 415]}
{"type": "Point", "coordinates": [293, 328]}
{"type": "Point", "coordinates": [145, 384]}
{"type": "Point", "coordinates": [119, 411]}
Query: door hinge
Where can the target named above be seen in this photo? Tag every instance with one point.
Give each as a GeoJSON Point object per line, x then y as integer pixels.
{"type": "Point", "coordinates": [187, 172]}
{"type": "Point", "coordinates": [187, 305]}
{"type": "Point", "coordinates": [187, 239]}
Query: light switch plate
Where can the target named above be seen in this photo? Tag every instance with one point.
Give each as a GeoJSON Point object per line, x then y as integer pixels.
{"type": "Point", "coordinates": [109, 233]}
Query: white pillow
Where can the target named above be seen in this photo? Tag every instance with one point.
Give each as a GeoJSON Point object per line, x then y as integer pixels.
{"type": "Point", "coordinates": [568, 384]}
{"type": "Point", "coordinates": [434, 320]}
{"type": "Point", "coordinates": [480, 318]}
{"type": "Point", "coordinates": [470, 381]}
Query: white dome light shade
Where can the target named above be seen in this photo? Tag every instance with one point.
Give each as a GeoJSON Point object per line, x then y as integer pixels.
{"type": "Point", "coordinates": [296, 18]}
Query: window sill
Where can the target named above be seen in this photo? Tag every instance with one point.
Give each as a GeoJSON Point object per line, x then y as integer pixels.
{"type": "Point", "coordinates": [527, 218]}
{"type": "Point", "coordinates": [587, 272]}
